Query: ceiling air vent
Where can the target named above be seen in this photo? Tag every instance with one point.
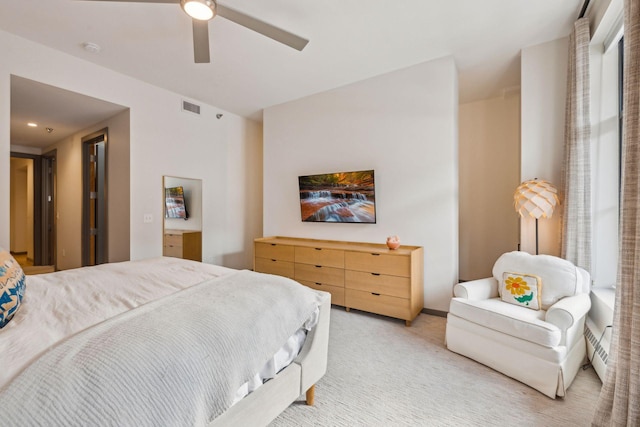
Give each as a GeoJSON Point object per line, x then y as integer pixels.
{"type": "Point", "coordinates": [192, 108]}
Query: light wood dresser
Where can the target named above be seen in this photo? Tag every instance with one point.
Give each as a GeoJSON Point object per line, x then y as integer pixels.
{"type": "Point", "coordinates": [364, 276]}
{"type": "Point", "coordinates": [185, 244]}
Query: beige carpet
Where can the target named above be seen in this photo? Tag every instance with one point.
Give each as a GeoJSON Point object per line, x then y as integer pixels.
{"type": "Point", "coordinates": [382, 373]}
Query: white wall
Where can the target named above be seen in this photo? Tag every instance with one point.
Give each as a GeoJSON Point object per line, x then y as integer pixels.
{"type": "Point", "coordinates": [489, 174]}
{"type": "Point", "coordinates": [164, 141]}
{"type": "Point", "coordinates": [19, 199]}
{"type": "Point", "coordinates": [68, 202]}
{"type": "Point", "coordinates": [404, 126]}
{"type": "Point", "coordinates": [543, 91]}
{"type": "Point", "coordinates": [118, 190]}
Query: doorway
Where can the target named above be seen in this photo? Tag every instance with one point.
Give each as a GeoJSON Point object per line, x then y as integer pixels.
{"type": "Point", "coordinates": [32, 215]}
{"type": "Point", "coordinates": [49, 208]}
{"type": "Point", "coordinates": [94, 198]}
{"type": "Point", "coordinates": [63, 118]}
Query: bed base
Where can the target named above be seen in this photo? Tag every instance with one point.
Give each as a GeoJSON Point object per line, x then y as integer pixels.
{"type": "Point", "coordinates": [267, 402]}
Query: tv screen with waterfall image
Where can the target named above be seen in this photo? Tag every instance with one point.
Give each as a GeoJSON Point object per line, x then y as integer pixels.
{"type": "Point", "coordinates": [338, 197]}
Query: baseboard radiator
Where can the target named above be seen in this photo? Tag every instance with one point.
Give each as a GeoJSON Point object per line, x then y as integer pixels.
{"type": "Point", "coordinates": [598, 348]}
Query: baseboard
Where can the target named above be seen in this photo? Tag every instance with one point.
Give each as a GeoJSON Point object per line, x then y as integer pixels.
{"type": "Point", "coordinates": [434, 312]}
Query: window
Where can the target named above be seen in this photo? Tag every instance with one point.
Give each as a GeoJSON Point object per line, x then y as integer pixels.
{"type": "Point", "coordinates": [606, 125]}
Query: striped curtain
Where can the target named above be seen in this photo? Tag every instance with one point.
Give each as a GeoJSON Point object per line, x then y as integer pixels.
{"type": "Point", "coordinates": [619, 403]}
{"type": "Point", "coordinates": [576, 216]}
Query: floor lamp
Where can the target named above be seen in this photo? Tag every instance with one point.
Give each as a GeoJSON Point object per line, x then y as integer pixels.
{"type": "Point", "coordinates": [536, 198]}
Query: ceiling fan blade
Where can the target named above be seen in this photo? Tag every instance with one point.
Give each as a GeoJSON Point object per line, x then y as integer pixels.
{"type": "Point", "coordinates": [140, 1]}
{"type": "Point", "coordinates": [261, 27]}
{"type": "Point", "coordinates": [201, 41]}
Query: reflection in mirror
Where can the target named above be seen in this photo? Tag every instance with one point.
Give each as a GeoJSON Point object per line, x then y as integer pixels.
{"type": "Point", "coordinates": [182, 225]}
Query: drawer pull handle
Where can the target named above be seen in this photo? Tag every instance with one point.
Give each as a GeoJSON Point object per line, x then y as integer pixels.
{"type": "Point", "coordinates": [375, 274]}
{"type": "Point", "coordinates": [318, 249]}
{"type": "Point", "coordinates": [376, 294]}
{"type": "Point", "coordinates": [318, 266]}
{"type": "Point", "coordinates": [319, 284]}
{"type": "Point", "coordinates": [273, 244]}
{"type": "Point", "coordinates": [375, 254]}
{"type": "Point", "coordinates": [273, 260]}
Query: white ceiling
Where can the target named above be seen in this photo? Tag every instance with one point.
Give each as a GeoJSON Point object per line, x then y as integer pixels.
{"type": "Point", "coordinates": [62, 111]}
{"type": "Point", "coordinates": [350, 40]}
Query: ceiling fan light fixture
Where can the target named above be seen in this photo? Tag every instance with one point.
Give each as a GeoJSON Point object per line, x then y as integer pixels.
{"type": "Point", "coordinates": [202, 10]}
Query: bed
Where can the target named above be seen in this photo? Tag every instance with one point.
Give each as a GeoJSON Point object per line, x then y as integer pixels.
{"type": "Point", "coordinates": [141, 343]}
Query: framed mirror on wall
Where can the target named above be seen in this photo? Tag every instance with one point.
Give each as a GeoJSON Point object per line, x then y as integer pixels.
{"type": "Point", "coordinates": [182, 225]}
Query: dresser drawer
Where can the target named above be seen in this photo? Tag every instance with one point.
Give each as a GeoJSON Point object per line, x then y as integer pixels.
{"type": "Point", "coordinates": [172, 251]}
{"type": "Point", "coordinates": [394, 265]}
{"type": "Point", "coordinates": [274, 266]}
{"type": "Point", "coordinates": [319, 274]}
{"type": "Point", "coordinates": [185, 244]}
{"type": "Point", "coordinates": [337, 292]}
{"type": "Point", "coordinates": [379, 283]}
{"type": "Point", "coordinates": [320, 256]}
{"type": "Point", "coordinates": [173, 240]}
{"type": "Point", "coordinates": [274, 251]}
{"type": "Point", "coordinates": [382, 304]}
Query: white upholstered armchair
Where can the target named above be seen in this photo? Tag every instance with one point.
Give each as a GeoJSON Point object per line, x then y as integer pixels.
{"type": "Point", "coordinates": [527, 321]}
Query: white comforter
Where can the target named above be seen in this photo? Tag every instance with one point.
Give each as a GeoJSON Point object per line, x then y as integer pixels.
{"type": "Point", "coordinates": [175, 361]}
{"type": "Point", "coordinates": [56, 306]}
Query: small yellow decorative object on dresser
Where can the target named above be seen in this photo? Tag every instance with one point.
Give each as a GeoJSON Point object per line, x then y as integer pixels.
{"type": "Point", "coordinates": [186, 244]}
{"type": "Point", "coordinates": [364, 276]}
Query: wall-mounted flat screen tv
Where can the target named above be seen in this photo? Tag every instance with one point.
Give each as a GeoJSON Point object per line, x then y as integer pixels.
{"type": "Point", "coordinates": [174, 202]}
{"type": "Point", "coordinates": [338, 197]}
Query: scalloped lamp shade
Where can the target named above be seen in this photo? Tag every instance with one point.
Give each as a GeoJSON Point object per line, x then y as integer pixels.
{"type": "Point", "coordinates": [536, 198]}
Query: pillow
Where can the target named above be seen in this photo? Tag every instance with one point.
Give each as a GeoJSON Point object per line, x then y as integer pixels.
{"type": "Point", "coordinates": [12, 284]}
{"type": "Point", "coordinates": [521, 289]}
{"type": "Point", "coordinates": [560, 277]}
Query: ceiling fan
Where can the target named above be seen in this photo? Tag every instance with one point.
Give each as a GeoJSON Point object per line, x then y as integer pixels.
{"type": "Point", "coordinates": [202, 11]}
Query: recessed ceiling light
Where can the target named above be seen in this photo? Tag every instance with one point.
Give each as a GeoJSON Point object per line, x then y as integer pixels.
{"type": "Point", "coordinates": [32, 125]}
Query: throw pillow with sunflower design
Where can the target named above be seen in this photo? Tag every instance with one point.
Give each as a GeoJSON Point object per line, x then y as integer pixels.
{"type": "Point", "coordinates": [521, 289]}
